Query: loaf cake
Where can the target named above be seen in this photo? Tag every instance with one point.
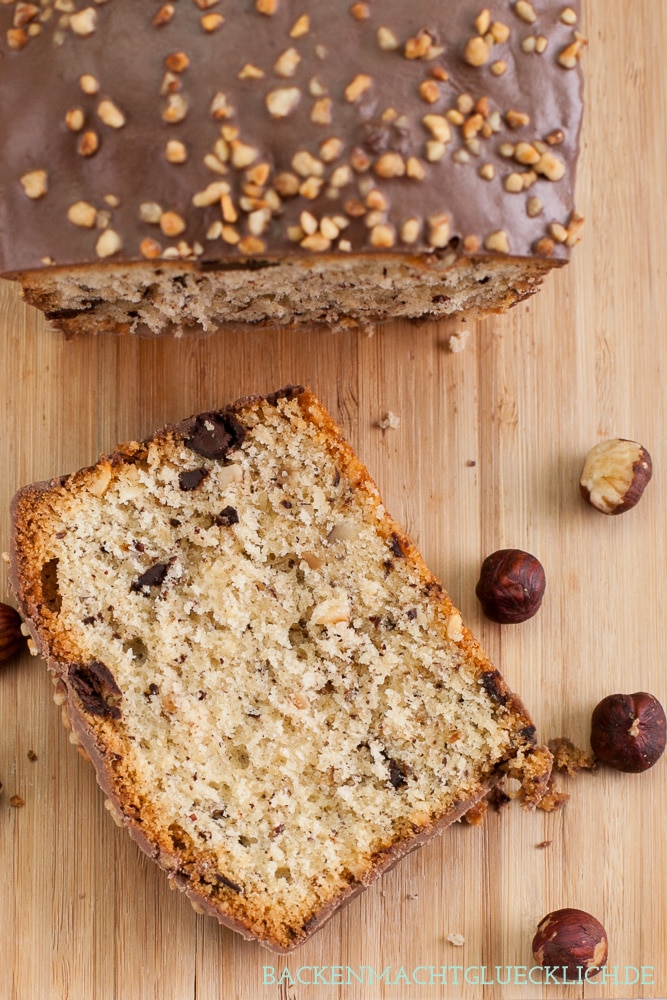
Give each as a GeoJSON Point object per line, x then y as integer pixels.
{"type": "Point", "coordinates": [187, 164]}
{"type": "Point", "coordinates": [279, 698]}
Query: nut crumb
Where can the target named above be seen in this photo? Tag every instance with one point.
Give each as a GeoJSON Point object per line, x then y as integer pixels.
{"type": "Point", "coordinates": [390, 422]}
{"type": "Point", "coordinates": [17, 801]}
{"type": "Point", "coordinates": [457, 342]}
{"type": "Point", "coordinates": [457, 940]}
{"type": "Point", "coordinates": [543, 844]}
{"type": "Point", "coordinates": [32, 755]}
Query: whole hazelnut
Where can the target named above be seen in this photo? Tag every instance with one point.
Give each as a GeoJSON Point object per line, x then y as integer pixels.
{"type": "Point", "coordinates": [615, 475]}
{"type": "Point", "coordinates": [11, 637]}
{"type": "Point", "coordinates": [510, 586]}
{"type": "Point", "coordinates": [570, 940]}
{"type": "Point", "coordinates": [628, 731]}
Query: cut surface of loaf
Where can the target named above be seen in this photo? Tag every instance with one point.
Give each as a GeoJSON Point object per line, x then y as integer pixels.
{"type": "Point", "coordinates": [278, 697]}
{"type": "Point", "coordinates": [175, 167]}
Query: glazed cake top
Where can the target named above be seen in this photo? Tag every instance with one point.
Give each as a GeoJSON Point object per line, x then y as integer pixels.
{"type": "Point", "coordinates": [211, 131]}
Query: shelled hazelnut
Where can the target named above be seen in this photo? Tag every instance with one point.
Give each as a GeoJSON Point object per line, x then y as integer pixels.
{"type": "Point", "coordinates": [511, 586]}
{"type": "Point", "coordinates": [629, 731]}
{"type": "Point", "coordinates": [615, 474]}
{"type": "Point", "coordinates": [572, 942]}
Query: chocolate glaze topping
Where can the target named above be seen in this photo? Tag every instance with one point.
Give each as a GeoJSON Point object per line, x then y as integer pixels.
{"type": "Point", "coordinates": [220, 131]}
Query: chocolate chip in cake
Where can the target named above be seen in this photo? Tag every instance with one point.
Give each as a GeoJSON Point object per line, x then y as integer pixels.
{"type": "Point", "coordinates": [227, 517]}
{"type": "Point", "coordinates": [213, 435]}
{"type": "Point", "coordinates": [96, 688]}
{"type": "Point", "coordinates": [191, 479]}
{"type": "Point", "coordinates": [153, 577]}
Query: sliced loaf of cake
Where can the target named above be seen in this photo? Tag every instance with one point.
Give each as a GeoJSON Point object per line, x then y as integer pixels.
{"type": "Point", "coordinates": [278, 697]}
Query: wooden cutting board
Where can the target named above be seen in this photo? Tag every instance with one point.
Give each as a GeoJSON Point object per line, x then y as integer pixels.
{"type": "Point", "coordinates": [487, 455]}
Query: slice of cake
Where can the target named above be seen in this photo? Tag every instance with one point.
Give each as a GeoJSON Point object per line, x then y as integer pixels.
{"type": "Point", "coordinates": [193, 163]}
{"type": "Point", "coordinates": [278, 697]}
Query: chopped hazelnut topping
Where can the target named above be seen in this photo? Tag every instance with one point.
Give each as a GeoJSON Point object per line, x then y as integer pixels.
{"type": "Point", "coordinates": [283, 101]}
{"type": "Point", "coordinates": [317, 242]}
{"type": "Point", "coordinates": [429, 91]}
{"type": "Point", "coordinates": [250, 72]}
{"type": "Point", "coordinates": [175, 152]}
{"type": "Point", "coordinates": [305, 164]}
{"type": "Point", "coordinates": [497, 241]}
{"type": "Point", "coordinates": [89, 84]}
{"type": "Point", "coordinates": [35, 183]}
{"type": "Point", "coordinates": [230, 235]}
{"type": "Point", "coordinates": [172, 224]}
{"type": "Point", "coordinates": [471, 126]}
{"type": "Point", "coordinates": [211, 22]}
{"type": "Point", "coordinates": [84, 22]}
{"type": "Point", "coordinates": [568, 16]}
{"type": "Point", "coordinates": [419, 47]}
{"type": "Point", "coordinates": [438, 126]}
{"type": "Point", "coordinates": [541, 44]}
{"type": "Point", "coordinates": [287, 64]}
{"type": "Point", "coordinates": [550, 167]}
{"type": "Point", "coordinates": [150, 249]}
{"type": "Point", "coordinates": [435, 150]}
{"type": "Point", "coordinates": [108, 243]}
{"type": "Point", "coordinates": [376, 200]}
{"type": "Point", "coordinates": [525, 11]}
{"type": "Point", "coordinates": [528, 43]}
{"type": "Point", "coordinates": [355, 208]}
{"type": "Point", "coordinates": [300, 27]}
{"type": "Point", "coordinates": [439, 230]}
{"type": "Point", "coordinates": [499, 67]}
{"type": "Point", "coordinates": [229, 213]}
{"type": "Point", "coordinates": [517, 119]}
{"type": "Point", "coordinates": [360, 11]}
{"type": "Point", "coordinates": [331, 149]}
{"type": "Point", "coordinates": [243, 154]}
{"type": "Point", "coordinates": [483, 22]}
{"type": "Point", "coordinates": [410, 231]}
{"type": "Point", "coordinates": [359, 160]}
{"type": "Point", "coordinates": [88, 144]}
{"type": "Point", "coordinates": [214, 164]}
{"type": "Point", "coordinates": [390, 165]}
{"type": "Point", "coordinates": [321, 111]}
{"type": "Point", "coordinates": [308, 223]}
{"type": "Point", "coordinates": [286, 184]}
{"type": "Point", "coordinates": [471, 244]}
{"type": "Point", "coordinates": [358, 87]}
{"type": "Point", "coordinates": [513, 183]}
{"type": "Point", "coordinates": [17, 38]}
{"type": "Point", "coordinates": [534, 207]}
{"type": "Point", "coordinates": [499, 32]}
{"type": "Point", "coordinates": [176, 109]}
{"type": "Point", "coordinates": [150, 211]}
{"type": "Point", "coordinates": [382, 237]}
{"type": "Point", "coordinates": [570, 55]}
{"type": "Point", "coordinates": [110, 114]}
{"type": "Point", "coordinates": [177, 62]}
{"type": "Point", "coordinates": [487, 171]}
{"type": "Point", "coordinates": [558, 232]}
{"type": "Point", "coordinates": [476, 51]}
{"type": "Point", "coordinates": [386, 39]}
{"type": "Point", "coordinates": [415, 169]}
{"type": "Point", "coordinates": [267, 7]}
{"type": "Point", "coordinates": [82, 214]}
{"type": "Point", "coordinates": [545, 247]}
{"type": "Point", "coordinates": [75, 119]}
{"type": "Point", "coordinates": [345, 246]}
{"type": "Point", "coordinates": [251, 245]}
{"type": "Point", "coordinates": [526, 153]}
{"type": "Point", "coordinates": [329, 229]}
{"type": "Point", "coordinates": [220, 107]}
{"type": "Point", "coordinates": [574, 229]}
{"type": "Point", "coordinates": [164, 15]}
{"type": "Point", "coordinates": [311, 188]}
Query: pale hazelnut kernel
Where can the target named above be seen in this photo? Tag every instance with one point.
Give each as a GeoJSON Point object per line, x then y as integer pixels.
{"type": "Point", "coordinates": [150, 249]}
{"type": "Point", "coordinates": [476, 51]}
{"type": "Point", "coordinates": [150, 212]}
{"type": "Point", "coordinates": [108, 243]}
{"type": "Point", "coordinates": [267, 7]}
{"type": "Point", "coordinates": [499, 67]}
{"type": "Point", "coordinates": [175, 152]}
{"type": "Point", "coordinates": [410, 231]}
{"type": "Point", "coordinates": [331, 149]}
{"type": "Point", "coordinates": [250, 72]}
{"type": "Point", "coordinates": [387, 40]}
{"type": "Point", "coordinates": [89, 84]}
{"type": "Point", "coordinates": [300, 27]}
{"type": "Point", "coordinates": [439, 230]}
{"type": "Point", "coordinates": [429, 91]}
{"type": "Point", "coordinates": [438, 126]}
{"type": "Point", "coordinates": [317, 242]}
{"type": "Point", "coordinates": [287, 64]}
{"type": "Point", "coordinates": [497, 242]}
{"type": "Point", "coordinates": [75, 119]}
{"type": "Point", "coordinates": [83, 22]}
{"type": "Point", "coordinates": [525, 11]}
{"type": "Point", "coordinates": [390, 165]}
{"type": "Point", "coordinates": [534, 207]}
{"type": "Point", "coordinates": [283, 101]}
{"type": "Point", "coordinates": [550, 167]}
{"type": "Point", "coordinates": [110, 114]}
{"type": "Point", "coordinates": [176, 109]}
{"type": "Point", "coordinates": [211, 22]}
{"type": "Point", "coordinates": [82, 214]}
{"type": "Point", "coordinates": [321, 111]}
{"type": "Point", "coordinates": [172, 224]}
{"type": "Point", "coordinates": [382, 236]}
{"type": "Point", "coordinates": [499, 32]}
{"type": "Point", "coordinates": [35, 183]}
{"type": "Point", "coordinates": [358, 87]}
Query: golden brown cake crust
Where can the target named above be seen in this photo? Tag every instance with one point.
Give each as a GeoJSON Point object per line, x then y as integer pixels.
{"type": "Point", "coordinates": [96, 700]}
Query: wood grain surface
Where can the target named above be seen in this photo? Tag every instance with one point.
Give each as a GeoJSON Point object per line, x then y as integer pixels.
{"type": "Point", "coordinates": [488, 454]}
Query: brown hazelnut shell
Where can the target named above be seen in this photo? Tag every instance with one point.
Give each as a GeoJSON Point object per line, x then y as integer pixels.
{"type": "Point", "coordinates": [570, 940]}
{"type": "Point", "coordinates": [629, 731]}
{"type": "Point", "coordinates": [511, 586]}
